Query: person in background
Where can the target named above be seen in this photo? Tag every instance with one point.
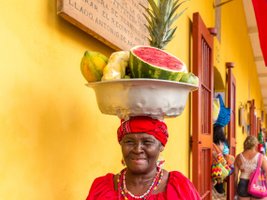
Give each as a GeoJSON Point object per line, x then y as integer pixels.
{"type": "Point", "coordinates": [220, 151]}
{"type": "Point", "coordinates": [245, 164]}
{"type": "Point", "coordinates": [220, 141]}
{"type": "Point", "coordinates": [142, 139]}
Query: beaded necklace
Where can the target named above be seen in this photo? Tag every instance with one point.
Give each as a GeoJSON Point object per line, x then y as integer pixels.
{"type": "Point", "coordinates": [122, 189]}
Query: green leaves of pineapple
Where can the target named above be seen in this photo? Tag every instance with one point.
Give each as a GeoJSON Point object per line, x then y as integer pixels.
{"type": "Point", "coordinates": [160, 16]}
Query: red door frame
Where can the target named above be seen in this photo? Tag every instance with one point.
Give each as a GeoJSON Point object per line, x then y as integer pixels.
{"type": "Point", "coordinates": [253, 118]}
{"type": "Point", "coordinates": [202, 107]}
{"type": "Point", "coordinates": [231, 94]}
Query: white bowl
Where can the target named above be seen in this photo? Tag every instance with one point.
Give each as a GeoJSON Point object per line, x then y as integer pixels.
{"type": "Point", "coordinates": [147, 97]}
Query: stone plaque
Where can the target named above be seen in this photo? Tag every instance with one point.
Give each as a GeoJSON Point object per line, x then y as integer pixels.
{"type": "Point", "coordinates": [120, 24]}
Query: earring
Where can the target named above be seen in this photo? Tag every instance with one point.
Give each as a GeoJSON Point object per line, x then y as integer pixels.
{"type": "Point", "coordinates": [122, 162]}
{"type": "Point", "coordinates": [160, 161]}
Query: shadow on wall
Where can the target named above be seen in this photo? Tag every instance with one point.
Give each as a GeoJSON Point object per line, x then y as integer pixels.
{"type": "Point", "coordinates": [218, 81]}
{"type": "Point", "coordinates": [66, 28]}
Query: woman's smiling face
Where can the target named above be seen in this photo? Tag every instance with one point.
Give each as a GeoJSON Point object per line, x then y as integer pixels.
{"type": "Point", "coordinates": [140, 152]}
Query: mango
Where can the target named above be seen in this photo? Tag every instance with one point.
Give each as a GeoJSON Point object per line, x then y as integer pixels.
{"type": "Point", "coordinates": [92, 65]}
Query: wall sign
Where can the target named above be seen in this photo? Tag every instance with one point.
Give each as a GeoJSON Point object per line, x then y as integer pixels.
{"type": "Point", "coordinates": [120, 24]}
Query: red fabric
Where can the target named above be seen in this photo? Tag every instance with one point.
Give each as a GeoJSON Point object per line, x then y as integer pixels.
{"type": "Point", "coordinates": [260, 9]}
{"type": "Point", "coordinates": [178, 188]}
{"type": "Point", "coordinates": [143, 124]}
{"type": "Point", "coordinates": [260, 148]}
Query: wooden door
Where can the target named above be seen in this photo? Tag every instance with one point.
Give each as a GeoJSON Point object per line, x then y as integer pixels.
{"type": "Point", "coordinates": [202, 107]}
{"type": "Point", "coordinates": [258, 125]}
{"type": "Point", "coordinates": [232, 125]}
{"type": "Point", "coordinates": [253, 118]}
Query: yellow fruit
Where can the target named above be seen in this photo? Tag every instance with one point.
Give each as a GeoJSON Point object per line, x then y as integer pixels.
{"type": "Point", "coordinates": [92, 65]}
{"type": "Point", "coordinates": [117, 63]}
{"type": "Point", "coordinates": [98, 62]}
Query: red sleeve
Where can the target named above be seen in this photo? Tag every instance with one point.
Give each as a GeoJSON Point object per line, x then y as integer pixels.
{"type": "Point", "coordinates": [103, 189]}
{"type": "Point", "coordinates": [180, 187]}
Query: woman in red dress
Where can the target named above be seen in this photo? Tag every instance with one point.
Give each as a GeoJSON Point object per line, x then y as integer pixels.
{"type": "Point", "coordinates": [142, 139]}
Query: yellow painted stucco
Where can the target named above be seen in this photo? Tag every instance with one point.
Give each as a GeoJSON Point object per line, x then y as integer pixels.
{"type": "Point", "coordinates": [54, 141]}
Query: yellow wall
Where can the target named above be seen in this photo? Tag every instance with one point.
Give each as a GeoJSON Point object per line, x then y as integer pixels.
{"type": "Point", "coordinates": [50, 127]}
{"type": "Point", "coordinates": [54, 140]}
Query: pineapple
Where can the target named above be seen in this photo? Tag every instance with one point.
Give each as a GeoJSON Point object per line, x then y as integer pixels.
{"type": "Point", "coordinates": [160, 16]}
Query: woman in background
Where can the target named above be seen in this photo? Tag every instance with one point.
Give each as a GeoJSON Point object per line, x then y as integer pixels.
{"type": "Point", "coordinates": [246, 163]}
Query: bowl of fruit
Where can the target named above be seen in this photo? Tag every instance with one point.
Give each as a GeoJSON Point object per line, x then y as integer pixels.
{"type": "Point", "coordinates": [143, 81]}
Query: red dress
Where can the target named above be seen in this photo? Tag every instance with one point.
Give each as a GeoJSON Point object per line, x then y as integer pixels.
{"type": "Point", "coordinates": [178, 188]}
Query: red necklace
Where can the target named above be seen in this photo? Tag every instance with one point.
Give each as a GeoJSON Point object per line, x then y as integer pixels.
{"type": "Point", "coordinates": [122, 189]}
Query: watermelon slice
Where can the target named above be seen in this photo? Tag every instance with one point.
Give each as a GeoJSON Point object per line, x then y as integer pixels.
{"type": "Point", "coordinates": [151, 62]}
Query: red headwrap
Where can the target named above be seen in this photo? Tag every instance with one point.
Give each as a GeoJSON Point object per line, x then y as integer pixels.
{"type": "Point", "coordinates": [143, 124]}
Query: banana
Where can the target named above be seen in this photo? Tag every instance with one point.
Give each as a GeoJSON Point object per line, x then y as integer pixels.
{"type": "Point", "coordinates": [117, 63]}
{"type": "Point", "coordinates": [92, 65]}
